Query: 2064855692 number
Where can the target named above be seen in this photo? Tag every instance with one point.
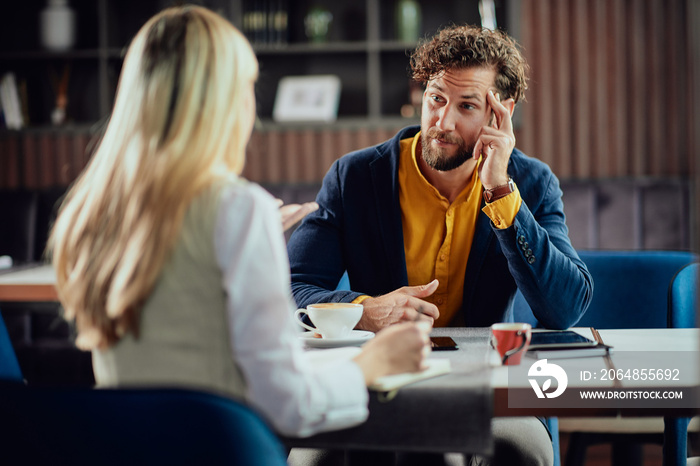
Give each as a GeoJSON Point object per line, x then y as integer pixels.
{"type": "Point", "coordinates": [639, 374]}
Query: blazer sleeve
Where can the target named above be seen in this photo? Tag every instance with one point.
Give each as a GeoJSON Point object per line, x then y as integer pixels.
{"type": "Point", "coordinates": [320, 235]}
{"type": "Point", "coordinates": [544, 264]}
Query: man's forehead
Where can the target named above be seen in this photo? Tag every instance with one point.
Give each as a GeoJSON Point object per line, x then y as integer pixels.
{"type": "Point", "coordinates": [475, 81]}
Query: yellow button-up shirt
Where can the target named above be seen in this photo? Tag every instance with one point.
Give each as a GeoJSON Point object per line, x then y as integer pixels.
{"type": "Point", "coordinates": [438, 234]}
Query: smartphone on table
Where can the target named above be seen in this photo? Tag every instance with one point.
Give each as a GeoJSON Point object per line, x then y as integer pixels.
{"type": "Point", "coordinates": [443, 344]}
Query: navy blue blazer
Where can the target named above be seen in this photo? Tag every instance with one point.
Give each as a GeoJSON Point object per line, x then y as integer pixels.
{"type": "Point", "coordinates": [358, 228]}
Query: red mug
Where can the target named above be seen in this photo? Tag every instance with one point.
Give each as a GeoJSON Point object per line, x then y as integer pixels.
{"type": "Point", "coordinates": [511, 341]}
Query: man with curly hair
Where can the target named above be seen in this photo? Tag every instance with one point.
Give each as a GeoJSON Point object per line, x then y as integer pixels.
{"type": "Point", "coordinates": [446, 220]}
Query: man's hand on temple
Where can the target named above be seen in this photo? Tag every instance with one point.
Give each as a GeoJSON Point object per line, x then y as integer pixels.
{"type": "Point", "coordinates": [404, 304]}
{"type": "Point", "coordinates": [496, 142]}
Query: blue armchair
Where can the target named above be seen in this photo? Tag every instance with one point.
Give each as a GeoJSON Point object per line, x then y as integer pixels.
{"type": "Point", "coordinates": [81, 426]}
{"type": "Point", "coordinates": [624, 281]}
{"type": "Point", "coordinates": [630, 290]}
{"type": "Point", "coordinates": [9, 366]}
{"type": "Point", "coordinates": [682, 312]}
{"type": "Point", "coordinates": [683, 297]}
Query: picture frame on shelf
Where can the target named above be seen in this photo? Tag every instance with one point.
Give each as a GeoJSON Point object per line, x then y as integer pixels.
{"type": "Point", "coordinates": [307, 98]}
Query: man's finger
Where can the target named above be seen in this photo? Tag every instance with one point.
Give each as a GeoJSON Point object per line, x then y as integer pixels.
{"type": "Point", "coordinates": [422, 291]}
{"type": "Point", "coordinates": [507, 125]}
{"type": "Point", "coordinates": [423, 307]}
{"type": "Point", "coordinates": [481, 145]}
{"type": "Point", "coordinates": [502, 111]}
{"type": "Point", "coordinates": [307, 208]}
{"type": "Point", "coordinates": [423, 313]}
{"type": "Point", "coordinates": [477, 149]}
{"type": "Point", "coordinates": [426, 318]}
{"type": "Point", "coordinates": [496, 123]}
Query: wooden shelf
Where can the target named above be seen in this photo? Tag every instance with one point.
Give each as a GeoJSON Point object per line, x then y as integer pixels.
{"type": "Point", "coordinates": [333, 47]}
{"type": "Point", "coordinates": [361, 50]}
{"type": "Point", "coordinates": [310, 48]}
{"type": "Point", "coordinates": [48, 55]}
{"type": "Point", "coordinates": [268, 124]}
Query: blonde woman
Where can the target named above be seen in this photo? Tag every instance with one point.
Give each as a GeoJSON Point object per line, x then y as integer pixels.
{"type": "Point", "coordinates": [173, 268]}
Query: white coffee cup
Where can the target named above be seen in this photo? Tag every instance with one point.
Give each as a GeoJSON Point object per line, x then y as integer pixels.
{"type": "Point", "coordinates": [332, 320]}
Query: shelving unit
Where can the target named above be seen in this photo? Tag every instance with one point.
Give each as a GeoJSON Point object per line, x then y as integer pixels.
{"type": "Point", "coordinates": [360, 48]}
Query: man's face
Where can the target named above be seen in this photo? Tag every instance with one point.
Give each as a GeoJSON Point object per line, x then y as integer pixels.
{"type": "Point", "coordinates": [454, 111]}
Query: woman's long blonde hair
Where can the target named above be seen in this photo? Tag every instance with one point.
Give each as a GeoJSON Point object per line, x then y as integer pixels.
{"type": "Point", "coordinates": [181, 120]}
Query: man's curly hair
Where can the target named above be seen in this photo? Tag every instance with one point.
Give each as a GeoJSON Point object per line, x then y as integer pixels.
{"type": "Point", "coordinates": [458, 47]}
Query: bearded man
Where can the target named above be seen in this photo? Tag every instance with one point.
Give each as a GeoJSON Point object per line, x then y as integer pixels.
{"type": "Point", "coordinates": [446, 220]}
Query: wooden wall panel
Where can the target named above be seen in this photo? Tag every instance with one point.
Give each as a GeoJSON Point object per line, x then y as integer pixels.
{"type": "Point", "coordinates": [303, 156]}
{"type": "Point", "coordinates": [62, 161]}
{"type": "Point", "coordinates": [609, 90]}
{"type": "Point", "coordinates": [46, 154]}
{"type": "Point", "coordinates": [10, 163]}
{"type": "Point", "coordinates": [83, 145]}
{"type": "Point", "coordinates": [636, 99]}
{"type": "Point", "coordinates": [43, 159]}
{"type": "Point", "coordinates": [616, 86]}
{"type": "Point", "coordinates": [31, 164]}
{"type": "Point", "coordinates": [561, 92]}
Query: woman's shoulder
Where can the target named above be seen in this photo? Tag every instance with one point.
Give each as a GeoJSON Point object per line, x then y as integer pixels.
{"type": "Point", "coordinates": [241, 191]}
{"type": "Point", "coordinates": [230, 196]}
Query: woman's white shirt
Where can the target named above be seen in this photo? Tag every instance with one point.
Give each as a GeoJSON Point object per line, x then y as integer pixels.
{"type": "Point", "coordinates": [298, 399]}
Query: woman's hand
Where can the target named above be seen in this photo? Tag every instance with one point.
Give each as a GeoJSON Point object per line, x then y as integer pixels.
{"type": "Point", "coordinates": [396, 349]}
{"type": "Point", "coordinates": [292, 213]}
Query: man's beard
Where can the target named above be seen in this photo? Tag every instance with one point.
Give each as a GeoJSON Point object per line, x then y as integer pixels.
{"type": "Point", "coordinates": [436, 158]}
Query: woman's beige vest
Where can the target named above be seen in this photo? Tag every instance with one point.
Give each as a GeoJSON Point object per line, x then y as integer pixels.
{"type": "Point", "coordinates": [184, 331]}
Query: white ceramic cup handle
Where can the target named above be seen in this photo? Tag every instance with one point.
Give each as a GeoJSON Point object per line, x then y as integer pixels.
{"type": "Point", "coordinates": [299, 321]}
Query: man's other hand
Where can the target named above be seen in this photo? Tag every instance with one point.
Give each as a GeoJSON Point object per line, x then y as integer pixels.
{"type": "Point", "coordinates": [292, 213]}
{"type": "Point", "coordinates": [404, 304]}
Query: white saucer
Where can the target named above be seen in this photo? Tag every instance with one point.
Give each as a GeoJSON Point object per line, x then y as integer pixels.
{"type": "Point", "coordinates": [356, 338]}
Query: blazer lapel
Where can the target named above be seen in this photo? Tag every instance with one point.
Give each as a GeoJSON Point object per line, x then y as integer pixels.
{"type": "Point", "coordinates": [483, 235]}
{"type": "Point", "coordinates": [384, 173]}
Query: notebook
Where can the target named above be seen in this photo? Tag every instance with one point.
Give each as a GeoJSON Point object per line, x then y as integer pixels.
{"type": "Point", "coordinates": [436, 367]}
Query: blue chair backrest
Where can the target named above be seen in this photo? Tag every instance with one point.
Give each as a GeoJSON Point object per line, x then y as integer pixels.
{"type": "Point", "coordinates": [683, 297]}
{"type": "Point", "coordinates": [79, 426]}
{"type": "Point", "coordinates": [630, 288]}
{"type": "Point", "coordinates": [9, 366]}
{"type": "Point", "coordinates": [344, 283]}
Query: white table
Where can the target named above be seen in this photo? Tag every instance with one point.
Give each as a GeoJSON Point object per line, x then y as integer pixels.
{"type": "Point", "coordinates": [28, 284]}
{"type": "Point", "coordinates": [673, 349]}
{"type": "Point", "coordinates": [462, 386]}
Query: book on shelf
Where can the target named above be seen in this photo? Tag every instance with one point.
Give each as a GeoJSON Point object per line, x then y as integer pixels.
{"type": "Point", "coordinates": [266, 21]}
{"type": "Point", "coordinates": [277, 21]}
{"type": "Point", "coordinates": [24, 102]}
{"type": "Point", "coordinates": [10, 102]}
